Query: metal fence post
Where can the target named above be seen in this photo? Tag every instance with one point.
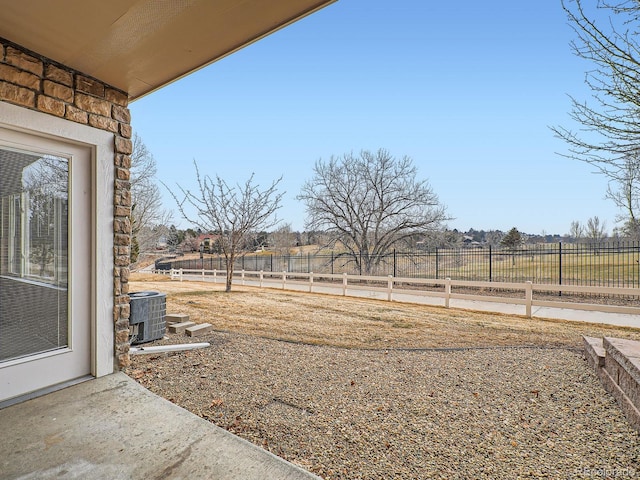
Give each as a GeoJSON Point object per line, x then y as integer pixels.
{"type": "Point", "coordinates": [490, 264]}
{"type": "Point", "coordinates": [560, 266]}
{"type": "Point", "coordinates": [395, 258]}
{"type": "Point", "coordinates": [636, 245]}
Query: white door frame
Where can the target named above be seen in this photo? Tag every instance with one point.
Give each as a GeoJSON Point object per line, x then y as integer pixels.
{"type": "Point", "coordinates": [101, 147]}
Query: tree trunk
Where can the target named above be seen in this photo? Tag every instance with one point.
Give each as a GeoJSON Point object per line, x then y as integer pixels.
{"type": "Point", "coordinates": [229, 260]}
{"type": "Point", "coordinates": [229, 279]}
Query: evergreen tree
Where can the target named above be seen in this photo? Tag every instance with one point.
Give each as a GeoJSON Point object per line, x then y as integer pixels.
{"type": "Point", "coordinates": [512, 240]}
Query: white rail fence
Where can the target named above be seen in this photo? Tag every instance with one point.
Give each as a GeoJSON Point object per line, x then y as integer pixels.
{"type": "Point", "coordinates": [393, 286]}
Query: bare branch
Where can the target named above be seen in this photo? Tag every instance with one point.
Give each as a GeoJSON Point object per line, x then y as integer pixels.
{"type": "Point", "coordinates": [610, 136]}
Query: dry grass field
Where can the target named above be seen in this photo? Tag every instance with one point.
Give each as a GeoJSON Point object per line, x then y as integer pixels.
{"type": "Point", "coordinates": [360, 323]}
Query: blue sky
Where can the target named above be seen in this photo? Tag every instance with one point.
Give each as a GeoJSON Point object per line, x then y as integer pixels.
{"type": "Point", "coordinates": [468, 90]}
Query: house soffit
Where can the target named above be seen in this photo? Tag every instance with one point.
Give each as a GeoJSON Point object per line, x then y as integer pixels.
{"type": "Point", "coordinates": [139, 46]}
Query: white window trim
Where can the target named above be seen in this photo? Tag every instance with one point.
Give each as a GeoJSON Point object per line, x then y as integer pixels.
{"type": "Point", "coordinates": [102, 146]}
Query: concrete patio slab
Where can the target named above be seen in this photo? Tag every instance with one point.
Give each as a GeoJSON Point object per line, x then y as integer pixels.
{"type": "Point", "coordinates": [112, 428]}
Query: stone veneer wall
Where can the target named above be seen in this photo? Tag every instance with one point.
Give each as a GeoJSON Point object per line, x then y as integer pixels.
{"type": "Point", "coordinates": [37, 83]}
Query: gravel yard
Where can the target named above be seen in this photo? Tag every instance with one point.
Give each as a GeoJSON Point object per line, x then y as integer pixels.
{"type": "Point", "coordinates": [529, 410]}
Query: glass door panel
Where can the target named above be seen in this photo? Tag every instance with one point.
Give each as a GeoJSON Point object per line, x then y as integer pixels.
{"type": "Point", "coordinates": [34, 244]}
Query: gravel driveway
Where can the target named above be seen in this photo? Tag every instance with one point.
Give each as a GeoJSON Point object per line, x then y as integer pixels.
{"type": "Point", "coordinates": [341, 413]}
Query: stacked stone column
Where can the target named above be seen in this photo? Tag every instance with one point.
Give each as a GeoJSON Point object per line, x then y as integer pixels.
{"type": "Point", "coordinates": [37, 83]}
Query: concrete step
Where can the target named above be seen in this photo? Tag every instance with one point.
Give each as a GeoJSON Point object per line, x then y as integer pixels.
{"type": "Point", "coordinates": [180, 327]}
{"type": "Point", "coordinates": [623, 365]}
{"type": "Point", "coordinates": [199, 329]}
{"type": "Point", "coordinates": [617, 364]}
{"type": "Point", "coordinates": [626, 353]}
{"type": "Point", "coordinates": [594, 351]}
{"type": "Point", "coordinates": [172, 318]}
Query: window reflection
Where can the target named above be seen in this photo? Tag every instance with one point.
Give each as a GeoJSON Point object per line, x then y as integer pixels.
{"type": "Point", "coordinates": [34, 212]}
{"type": "Point", "coordinates": [45, 197]}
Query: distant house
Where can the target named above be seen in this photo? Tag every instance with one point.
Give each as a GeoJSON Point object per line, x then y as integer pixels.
{"type": "Point", "coordinates": [468, 241]}
{"type": "Point", "coordinates": [206, 242]}
{"type": "Point", "coordinates": [68, 71]}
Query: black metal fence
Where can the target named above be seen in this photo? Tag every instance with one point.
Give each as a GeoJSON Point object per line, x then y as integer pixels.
{"type": "Point", "coordinates": [614, 264]}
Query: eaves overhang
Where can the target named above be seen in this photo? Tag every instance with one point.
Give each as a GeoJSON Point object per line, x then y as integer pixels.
{"type": "Point", "coordinates": [139, 46]}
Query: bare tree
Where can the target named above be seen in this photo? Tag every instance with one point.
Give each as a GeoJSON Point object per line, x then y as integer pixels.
{"type": "Point", "coordinates": [493, 237]}
{"type": "Point", "coordinates": [231, 212]}
{"type": "Point", "coordinates": [369, 203]}
{"type": "Point", "coordinates": [625, 193]}
{"type": "Point", "coordinates": [190, 242]}
{"type": "Point", "coordinates": [283, 239]}
{"type": "Point", "coordinates": [576, 230]}
{"type": "Point", "coordinates": [147, 211]}
{"type": "Point", "coordinates": [596, 230]}
{"type": "Point", "coordinates": [607, 37]}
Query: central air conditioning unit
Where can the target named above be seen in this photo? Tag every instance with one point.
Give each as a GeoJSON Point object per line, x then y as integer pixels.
{"type": "Point", "coordinates": [147, 317]}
